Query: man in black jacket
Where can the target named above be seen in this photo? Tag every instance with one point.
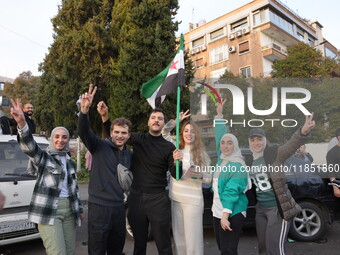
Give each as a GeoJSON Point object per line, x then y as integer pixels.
{"type": "Point", "coordinates": [106, 213]}
{"type": "Point", "coordinates": [28, 112]}
{"type": "Point", "coordinates": [6, 123]}
{"type": "Point", "coordinates": [148, 200]}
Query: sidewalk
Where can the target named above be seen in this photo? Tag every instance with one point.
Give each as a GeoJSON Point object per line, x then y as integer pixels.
{"type": "Point", "coordinates": [83, 190]}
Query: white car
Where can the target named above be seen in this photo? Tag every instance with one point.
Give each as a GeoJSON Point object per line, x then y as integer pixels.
{"type": "Point", "coordinates": [17, 185]}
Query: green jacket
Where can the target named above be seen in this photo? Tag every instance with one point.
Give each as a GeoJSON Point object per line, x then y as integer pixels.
{"type": "Point", "coordinates": [233, 179]}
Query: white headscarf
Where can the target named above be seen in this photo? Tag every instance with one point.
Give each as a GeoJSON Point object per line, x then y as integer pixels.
{"type": "Point", "coordinates": [235, 156]}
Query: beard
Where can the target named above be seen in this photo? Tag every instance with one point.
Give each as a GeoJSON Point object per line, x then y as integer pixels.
{"type": "Point", "coordinates": [29, 113]}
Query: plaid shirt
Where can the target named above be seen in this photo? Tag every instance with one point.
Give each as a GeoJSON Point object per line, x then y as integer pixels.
{"type": "Point", "coordinates": [50, 176]}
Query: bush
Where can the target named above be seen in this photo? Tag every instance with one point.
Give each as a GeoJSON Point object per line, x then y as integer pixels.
{"type": "Point", "coordinates": [83, 175]}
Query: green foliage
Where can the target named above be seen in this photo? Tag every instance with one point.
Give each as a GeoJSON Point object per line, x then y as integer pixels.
{"type": "Point", "coordinates": [83, 175]}
{"type": "Point", "coordinates": [116, 45]}
{"type": "Point", "coordinates": [145, 35]}
{"type": "Point", "coordinates": [24, 87]}
{"type": "Point", "coordinates": [304, 61]}
{"type": "Point", "coordinates": [80, 54]}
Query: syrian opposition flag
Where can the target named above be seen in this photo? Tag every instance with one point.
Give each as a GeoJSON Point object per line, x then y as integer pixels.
{"type": "Point", "coordinates": [167, 81]}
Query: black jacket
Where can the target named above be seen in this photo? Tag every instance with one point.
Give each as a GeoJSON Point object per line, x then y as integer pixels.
{"type": "Point", "coordinates": [6, 123]}
{"type": "Point", "coordinates": [30, 123]}
{"type": "Point", "coordinates": [104, 188]}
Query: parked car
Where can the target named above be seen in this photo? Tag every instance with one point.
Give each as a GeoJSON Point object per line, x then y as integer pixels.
{"type": "Point", "coordinates": [17, 185]}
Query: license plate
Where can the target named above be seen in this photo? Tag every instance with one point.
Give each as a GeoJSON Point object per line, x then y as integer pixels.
{"type": "Point", "coordinates": [15, 226]}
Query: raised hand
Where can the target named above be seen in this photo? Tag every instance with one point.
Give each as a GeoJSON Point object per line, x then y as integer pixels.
{"type": "Point", "coordinates": [184, 115]}
{"type": "Point", "coordinates": [17, 113]}
{"type": "Point", "coordinates": [102, 108]}
{"type": "Point", "coordinates": [103, 111]}
{"type": "Point", "coordinates": [219, 108]}
{"type": "Point", "coordinates": [309, 124]}
{"type": "Point", "coordinates": [87, 98]}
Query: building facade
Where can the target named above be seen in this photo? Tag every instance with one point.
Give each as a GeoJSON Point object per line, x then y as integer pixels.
{"type": "Point", "coordinates": [249, 39]}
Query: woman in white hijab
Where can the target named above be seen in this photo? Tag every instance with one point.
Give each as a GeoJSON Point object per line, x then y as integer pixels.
{"type": "Point", "coordinates": [230, 182]}
{"type": "Point", "coordinates": [55, 204]}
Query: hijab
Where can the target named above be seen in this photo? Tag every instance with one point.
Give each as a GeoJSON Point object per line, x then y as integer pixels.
{"type": "Point", "coordinates": [51, 147]}
{"type": "Point", "coordinates": [236, 155]}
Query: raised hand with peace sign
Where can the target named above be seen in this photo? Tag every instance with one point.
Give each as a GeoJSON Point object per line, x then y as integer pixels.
{"type": "Point", "coordinates": [87, 98]}
{"type": "Point", "coordinates": [17, 113]}
{"type": "Point", "coordinates": [309, 124]}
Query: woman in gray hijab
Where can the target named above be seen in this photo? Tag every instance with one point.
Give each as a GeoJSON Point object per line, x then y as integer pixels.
{"type": "Point", "coordinates": [55, 205]}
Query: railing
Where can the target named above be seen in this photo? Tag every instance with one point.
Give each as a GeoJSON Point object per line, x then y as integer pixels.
{"type": "Point", "coordinates": [275, 47]}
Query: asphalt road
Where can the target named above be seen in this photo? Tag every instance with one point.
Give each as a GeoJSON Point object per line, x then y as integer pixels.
{"type": "Point", "coordinates": [247, 245]}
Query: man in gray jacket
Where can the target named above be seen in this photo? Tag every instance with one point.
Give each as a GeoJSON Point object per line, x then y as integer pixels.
{"type": "Point", "coordinates": [106, 214]}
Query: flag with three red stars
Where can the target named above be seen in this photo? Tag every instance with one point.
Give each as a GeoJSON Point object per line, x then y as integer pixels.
{"type": "Point", "coordinates": [167, 81]}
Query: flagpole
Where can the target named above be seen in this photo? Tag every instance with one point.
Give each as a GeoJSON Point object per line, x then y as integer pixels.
{"type": "Point", "coordinates": [177, 127]}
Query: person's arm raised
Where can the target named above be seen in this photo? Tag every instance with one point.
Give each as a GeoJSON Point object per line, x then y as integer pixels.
{"type": "Point", "coordinates": [17, 113]}
{"type": "Point", "coordinates": [86, 99]}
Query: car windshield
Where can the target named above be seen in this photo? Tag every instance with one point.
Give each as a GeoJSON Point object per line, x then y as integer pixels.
{"type": "Point", "coordinates": [12, 160]}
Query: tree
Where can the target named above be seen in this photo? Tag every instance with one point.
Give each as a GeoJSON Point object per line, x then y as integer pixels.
{"type": "Point", "coordinates": [146, 39]}
{"type": "Point", "coordinates": [24, 87]}
{"type": "Point", "coordinates": [116, 45]}
{"type": "Point", "coordinates": [304, 61]}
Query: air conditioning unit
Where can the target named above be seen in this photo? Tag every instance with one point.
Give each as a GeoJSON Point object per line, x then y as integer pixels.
{"type": "Point", "coordinates": [245, 30]}
{"type": "Point", "coordinates": [203, 47]}
{"type": "Point", "coordinates": [231, 36]}
{"type": "Point", "coordinates": [238, 33]}
{"type": "Point", "coordinates": [232, 49]}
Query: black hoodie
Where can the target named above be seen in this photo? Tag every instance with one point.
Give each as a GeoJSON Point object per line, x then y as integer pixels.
{"type": "Point", "coordinates": [104, 188]}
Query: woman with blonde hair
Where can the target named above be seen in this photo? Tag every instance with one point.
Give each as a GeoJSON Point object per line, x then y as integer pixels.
{"type": "Point", "coordinates": [186, 196]}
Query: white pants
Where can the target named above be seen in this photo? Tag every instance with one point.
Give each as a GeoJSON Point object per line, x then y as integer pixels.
{"type": "Point", "coordinates": [187, 228]}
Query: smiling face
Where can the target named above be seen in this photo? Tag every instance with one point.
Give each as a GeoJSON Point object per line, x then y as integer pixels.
{"type": "Point", "coordinates": [156, 123]}
{"type": "Point", "coordinates": [120, 135]}
{"type": "Point", "coordinates": [257, 143]}
{"type": "Point", "coordinates": [227, 146]}
{"type": "Point", "coordinates": [28, 109]}
{"type": "Point", "coordinates": [60, 139]}
{"type": "Point", "coordinates": [188, 134]}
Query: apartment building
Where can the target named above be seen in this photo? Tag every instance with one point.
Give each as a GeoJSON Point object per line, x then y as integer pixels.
{"type": "Point", "coordinates": [249, 39]}
{"type": "Point", "coordinates": [4, 102]}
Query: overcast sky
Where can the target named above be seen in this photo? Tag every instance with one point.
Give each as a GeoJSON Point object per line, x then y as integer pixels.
{"type": "Point", "coordinates": [26, 30]}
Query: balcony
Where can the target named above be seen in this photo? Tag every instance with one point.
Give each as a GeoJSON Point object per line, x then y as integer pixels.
{"type": "Point", "coordinates": [279, 34]}
{"type": "Point", "coordinates": [273, 52]}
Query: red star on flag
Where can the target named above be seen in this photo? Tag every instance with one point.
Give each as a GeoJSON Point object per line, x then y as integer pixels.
{"type": "Point", "coordinates": [173, 65]}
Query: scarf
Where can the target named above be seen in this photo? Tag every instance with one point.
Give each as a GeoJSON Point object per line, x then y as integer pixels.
{"type": "Point", "coordinates": [52, 150]}
{"type": "Point", "coordinates": [235, 156]}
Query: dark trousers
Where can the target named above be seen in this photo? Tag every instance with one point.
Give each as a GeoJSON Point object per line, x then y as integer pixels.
{"type": "Point", "coordinates": [227, 241]}
{"type": "Point", "coordinates": [106, 229]}
{"type": "Point", "coordinates": [145, 208]}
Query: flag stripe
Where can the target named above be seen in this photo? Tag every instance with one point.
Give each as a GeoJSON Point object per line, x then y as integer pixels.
{"type": "Point", "coordinates": [149, 87]}
{"type": "Point", "coordinates": [167, 86]}
{"type": "Point", "coordinates": [167, 81]}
